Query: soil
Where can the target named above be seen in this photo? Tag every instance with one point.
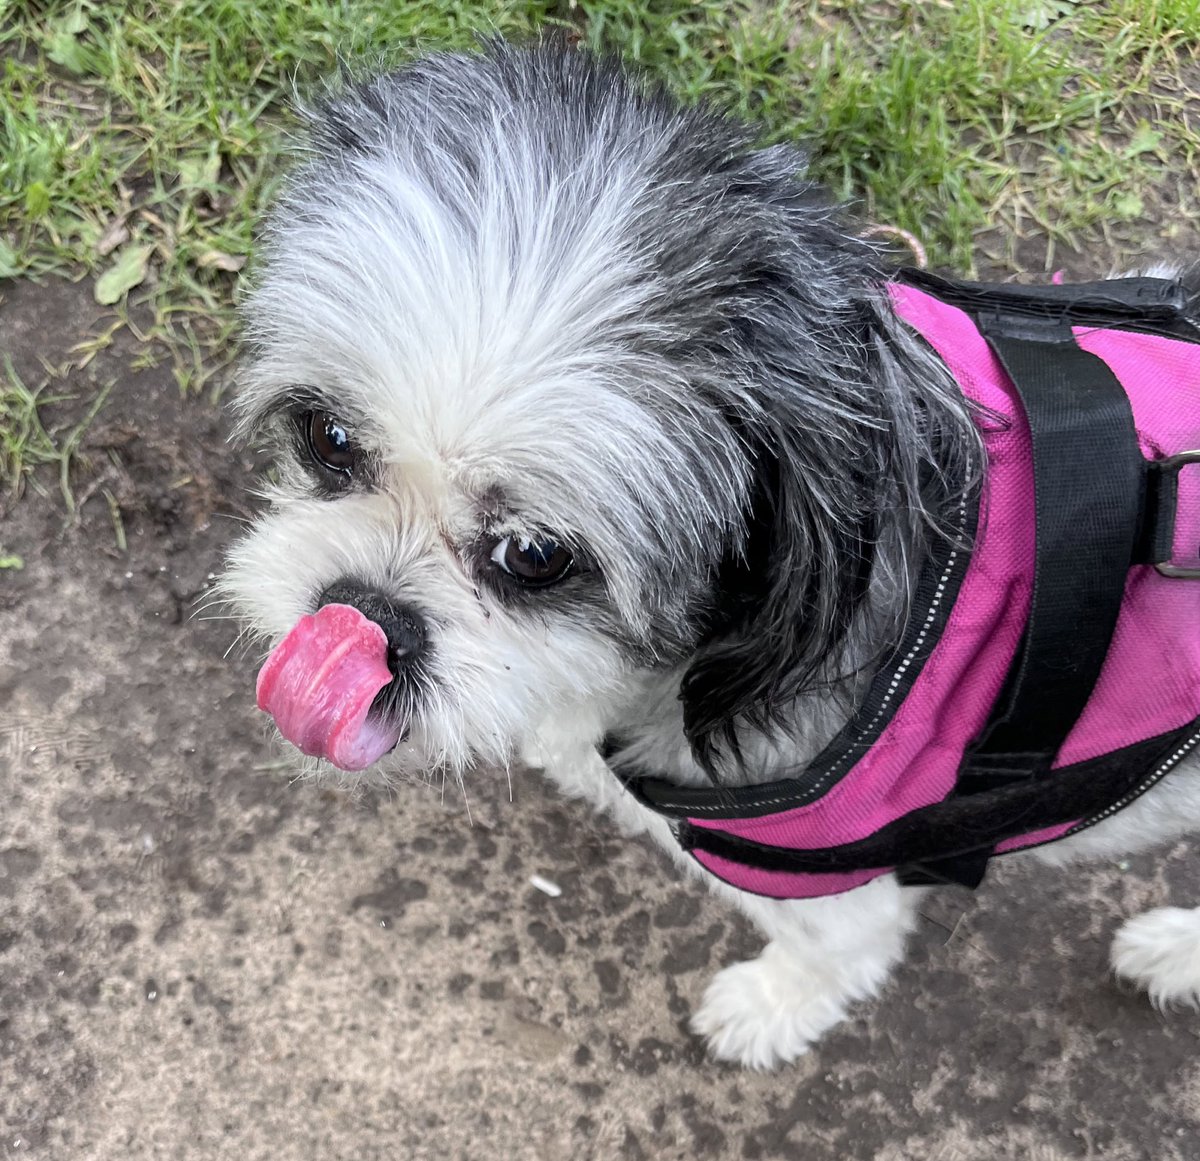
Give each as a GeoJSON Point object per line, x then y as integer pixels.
{"type": "Point", "coordinates": [202, 959]}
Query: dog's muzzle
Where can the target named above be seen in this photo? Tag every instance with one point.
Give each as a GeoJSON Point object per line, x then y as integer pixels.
{"type": "Point", "coordinates": [405, 628]}
{"type": "Point", "coordinates": [339, 685]}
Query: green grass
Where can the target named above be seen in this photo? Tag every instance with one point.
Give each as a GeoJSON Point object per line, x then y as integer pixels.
{"type": "Point", "coordinates": [25, 442]}
{"type": "Point", "coordinates": [139, 141]}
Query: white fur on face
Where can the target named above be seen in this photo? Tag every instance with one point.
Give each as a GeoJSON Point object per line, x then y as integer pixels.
{"type": "Point", "coordinates": [491, 672]}
{"type": "Point", "coordinates": [492, 329]}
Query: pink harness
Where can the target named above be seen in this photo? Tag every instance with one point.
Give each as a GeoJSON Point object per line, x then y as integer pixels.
{"type": "Point", "coordinates": [960, 751]}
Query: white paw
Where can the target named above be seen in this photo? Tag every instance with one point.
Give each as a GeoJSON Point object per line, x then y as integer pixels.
{"type": "Point", "coordinates": [767, 1011]}
{"type": "Point", "coordinates": [1160, 952]}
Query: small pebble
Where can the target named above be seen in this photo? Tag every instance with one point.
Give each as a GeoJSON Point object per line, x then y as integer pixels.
{"type": "Point", "coordinates": [545, 886]}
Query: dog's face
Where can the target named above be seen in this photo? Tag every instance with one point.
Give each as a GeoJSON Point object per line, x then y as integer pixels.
{"type": "Point", "coordinates": [562, 387]}
{"type": "Point", "coordinates": [498, 485]}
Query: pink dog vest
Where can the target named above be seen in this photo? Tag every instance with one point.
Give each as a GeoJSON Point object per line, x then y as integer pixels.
{"type": "Point", "coordinates": [1051, 670]}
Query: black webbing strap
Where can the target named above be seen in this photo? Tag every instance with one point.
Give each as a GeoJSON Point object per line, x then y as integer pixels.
{"type": "Point", "coordinates": [1088, 500]}
{"type": "Point", "coordinates": [1154, 306]}
{"type": "Point", "coordinates": [937, 843]}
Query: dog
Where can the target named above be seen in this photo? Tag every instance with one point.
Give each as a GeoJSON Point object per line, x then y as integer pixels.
{"type": "Point", "coordinates": [602, 445]}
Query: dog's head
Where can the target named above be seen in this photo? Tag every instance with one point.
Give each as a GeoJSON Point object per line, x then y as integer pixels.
{"type": "Point", "coordinates": [567, 383]}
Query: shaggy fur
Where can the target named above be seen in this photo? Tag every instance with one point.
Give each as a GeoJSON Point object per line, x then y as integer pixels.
{"type": "Point", "coordinates": [550, 305]}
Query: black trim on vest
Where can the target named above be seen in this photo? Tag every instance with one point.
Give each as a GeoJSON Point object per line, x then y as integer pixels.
{"type": "Point", "coordinates": [1152, 306]}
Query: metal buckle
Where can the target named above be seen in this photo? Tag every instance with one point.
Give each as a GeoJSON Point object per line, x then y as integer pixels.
{"type": "Point", "coordinates": [1175, 464]}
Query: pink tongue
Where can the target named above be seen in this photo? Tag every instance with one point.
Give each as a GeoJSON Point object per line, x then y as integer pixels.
{"type": "Point", "coordinates": [320, 681]}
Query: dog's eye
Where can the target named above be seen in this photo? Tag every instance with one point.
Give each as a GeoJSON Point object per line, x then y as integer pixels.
{"type": "Point", "coordinates": [532, 562]}
{"type": "Point", "coordinates": [329, 443]}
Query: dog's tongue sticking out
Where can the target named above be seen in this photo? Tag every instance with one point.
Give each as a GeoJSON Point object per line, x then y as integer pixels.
{"type": "Point", "coordinates": [320, 681]}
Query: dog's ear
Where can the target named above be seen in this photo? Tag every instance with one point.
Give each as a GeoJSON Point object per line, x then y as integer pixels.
{"type": "Point", "coordinates": [860, 446]}
{"type": "Point", "coordinates": [787, 595]}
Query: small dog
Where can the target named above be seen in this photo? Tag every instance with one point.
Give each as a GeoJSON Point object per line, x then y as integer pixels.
{"type": "Point", "coordinates": [602, 446]}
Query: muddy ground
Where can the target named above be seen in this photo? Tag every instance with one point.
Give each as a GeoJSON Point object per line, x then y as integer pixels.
{"type": "Point", "coordinates": [199, 959]}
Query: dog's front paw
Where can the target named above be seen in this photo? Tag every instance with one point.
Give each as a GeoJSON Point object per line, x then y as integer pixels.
{"type": "Point", "coordinates": [1160, 952]}
{"type": "Point", "coordinates": [767, 1011]}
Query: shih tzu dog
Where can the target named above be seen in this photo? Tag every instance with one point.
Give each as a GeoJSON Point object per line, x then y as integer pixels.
{"type": "Point", "coordinates": [605, 446]}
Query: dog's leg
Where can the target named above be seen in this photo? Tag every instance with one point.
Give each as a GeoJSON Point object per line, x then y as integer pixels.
{"type": "Point", "coordinates": [823, 955]}
{"type": "Point", "coordinates": [1159, 951]}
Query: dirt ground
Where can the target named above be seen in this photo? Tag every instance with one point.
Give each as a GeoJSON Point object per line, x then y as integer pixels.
{"type": "Point", "coordinates": [200, 959]}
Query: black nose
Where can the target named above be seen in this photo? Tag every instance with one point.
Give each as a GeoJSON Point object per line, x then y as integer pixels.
{"type": "Point", "coordinates": [404, 627]}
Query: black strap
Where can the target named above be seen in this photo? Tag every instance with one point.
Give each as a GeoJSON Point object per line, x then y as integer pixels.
{"type": "Point", "coordinates": [1160, 499]}
{"type": "Point", "coordinates": [1087, 486]}
{"type": "Point", "coordinates": [954, 871]}
{"type": "Point", "coordinates": [949, 841]}
{"type": "Point", "coordinates": [1156, 306]}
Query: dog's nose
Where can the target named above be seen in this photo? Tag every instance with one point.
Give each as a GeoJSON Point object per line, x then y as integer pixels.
{"type": "Point", "coordinates": [403, 625]}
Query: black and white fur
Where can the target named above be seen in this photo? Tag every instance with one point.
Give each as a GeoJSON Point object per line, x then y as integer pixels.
{"type": "Point", "coordinates": [550, 304]}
